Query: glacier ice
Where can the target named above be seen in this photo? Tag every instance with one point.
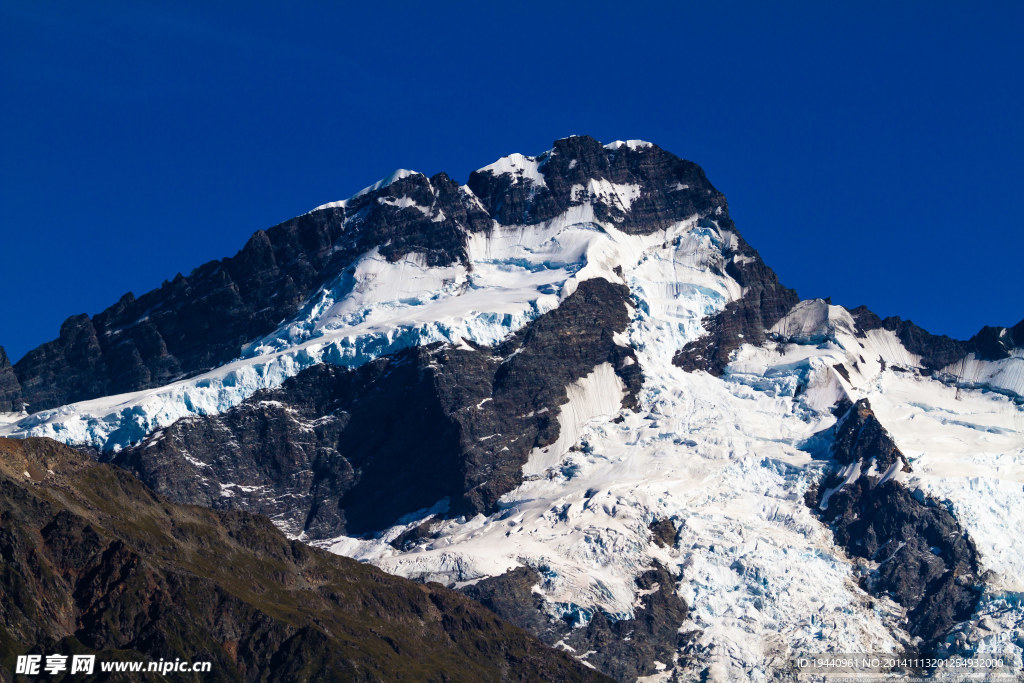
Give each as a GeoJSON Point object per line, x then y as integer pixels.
{"type": "Point", "coordinates": [728, 460]}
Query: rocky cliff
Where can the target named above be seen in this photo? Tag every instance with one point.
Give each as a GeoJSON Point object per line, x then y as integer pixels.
{"type": "Point", "coordinates": [195, 322]}
{"type": "Point", "coordinates": [10, 388]}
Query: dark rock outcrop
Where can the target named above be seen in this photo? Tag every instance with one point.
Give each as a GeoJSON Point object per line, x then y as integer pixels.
{"type": "Point", "coordinates": [743, 321]}
{"type": "Point", "coordinates": [664, 532]}
{"type": "Point", "coordinates": [10, 389]}
{"type": "Point", "coordinates": [996, 343]}
{"type": "Point", "coordinates": [337, 451]}
{"type": "Point", "coordinates": [670, 189]}
{"type": "Point", "coordinates": [939, 351]}
{"type": "Point", "coordinates": [925, 560]}
{"type": "Point", "coordinates": [765, 302]}
{"type": "Point", "coordinates": [94, 562]}
{"type": "Point", "coordinates": [860, 438]}
{"type": "Point", "coordinates": [623, 648]}
{"type": "Point", "coordinates": [936, 351]}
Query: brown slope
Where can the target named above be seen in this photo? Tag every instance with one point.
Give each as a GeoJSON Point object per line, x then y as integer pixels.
{"type": "Point", "coordinates": [93, 561]}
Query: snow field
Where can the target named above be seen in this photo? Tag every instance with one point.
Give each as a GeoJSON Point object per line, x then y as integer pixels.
{"type": "Point", "coordinates": [759, 571]}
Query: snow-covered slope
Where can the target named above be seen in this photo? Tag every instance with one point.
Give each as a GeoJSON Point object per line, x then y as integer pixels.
{"type": "Point", "coordinates": [1004, 375]}
{"type": "Point", "coordinates": [728, 460]}
{"type": "Point", "coordinates": [759, 572]}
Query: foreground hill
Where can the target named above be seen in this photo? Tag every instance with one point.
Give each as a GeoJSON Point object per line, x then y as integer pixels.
{"type": "Point", "coordinates": [94, 562]}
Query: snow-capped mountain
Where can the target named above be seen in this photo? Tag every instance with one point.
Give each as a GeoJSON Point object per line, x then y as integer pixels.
{"type": "Point", "coordinates": [572, 390]}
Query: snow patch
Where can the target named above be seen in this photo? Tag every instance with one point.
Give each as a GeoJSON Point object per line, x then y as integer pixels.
{"type": "Point", "coordinates": [630, 144]}
{"type": "Point", "coordinates": [384, 182]}
{"type": "Point", "coordinates": [1003, 375]}
{"type": "Point", "coordinates": [813, 321]}
{"type": "Point", "coordinates": [606, 192]}
{"type": "Point", "coordinates": [404, 202]}
{"type": "Point", "coordinates": [521, 168]}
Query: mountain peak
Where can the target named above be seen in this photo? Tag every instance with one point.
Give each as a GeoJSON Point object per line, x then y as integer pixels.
{"type": "Point", "coordinates": [638, 186]}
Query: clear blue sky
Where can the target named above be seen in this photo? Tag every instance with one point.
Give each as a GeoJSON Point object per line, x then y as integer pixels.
{"type": "Point", "coordinates": [872, 153]}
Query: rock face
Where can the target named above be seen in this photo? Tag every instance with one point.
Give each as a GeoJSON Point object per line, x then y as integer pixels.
{"type": "Point", "coordinates": [664, 532]}
{"type": "Point", "coordinates": [350, 451]}
{"type": "Point", "coordinates": [996, 343]}
{"type": "Point", "coordinates": [940, 351]}
{"type": "Point", "coordinates": [10, 388]}
{"type": "Point", "coordinates": [654, 188]}
{"type": "Point", "coordinates": [765, 301]}
{"type": "Point", "coordinates": [743, 321]}
{"type": "Point", "coordinates": [921, 557]}
{"type": "Point", "coordinates": [96, 563]}
{"type": "Point", "coordinates": [936, 351]}
{"type": "Point", "coordinates": [624, 648]}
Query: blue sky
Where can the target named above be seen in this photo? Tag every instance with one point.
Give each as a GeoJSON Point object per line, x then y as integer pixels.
{"type": "Point", "coordinates": [872, 152]}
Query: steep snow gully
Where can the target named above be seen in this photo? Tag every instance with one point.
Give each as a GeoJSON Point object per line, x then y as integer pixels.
{"type": "Point", "coordinates": [834, 482]}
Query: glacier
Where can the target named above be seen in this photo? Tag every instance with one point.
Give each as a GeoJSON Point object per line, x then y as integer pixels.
{"type": "Point", "coordinates": [721, 458]}
{"type": "Point", "coordinates": [727, 459]}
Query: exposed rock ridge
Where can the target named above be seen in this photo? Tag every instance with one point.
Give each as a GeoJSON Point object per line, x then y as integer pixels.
{"type": "Point", "coordinates": [916, 551]}
{"type": "Point", "coordinates": [10, 389]}
{"type": "Point", "coordinates": [337, 451]}
{"type": "Point", "coordinates": [764, 302]}
{"type": "Point", "coordinates": [623, 648]}
{"type": "Point", "coordinates": [936, 351]}
{"type": "Point", "coordinates": [939, 351]}
{"type": "Point", "coordinates": [997, 343]}
{"type": "Point", "coordinates": [96, 563]}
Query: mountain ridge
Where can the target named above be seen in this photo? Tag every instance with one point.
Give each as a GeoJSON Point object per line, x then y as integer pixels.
{"type": "Point", "coordinates": [196, 322]}
{"type": "Point", "coordinates": [169, 333]}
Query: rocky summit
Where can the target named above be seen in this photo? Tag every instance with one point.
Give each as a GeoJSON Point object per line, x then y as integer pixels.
{"type": "Point", "coordinates": [569, 392]}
